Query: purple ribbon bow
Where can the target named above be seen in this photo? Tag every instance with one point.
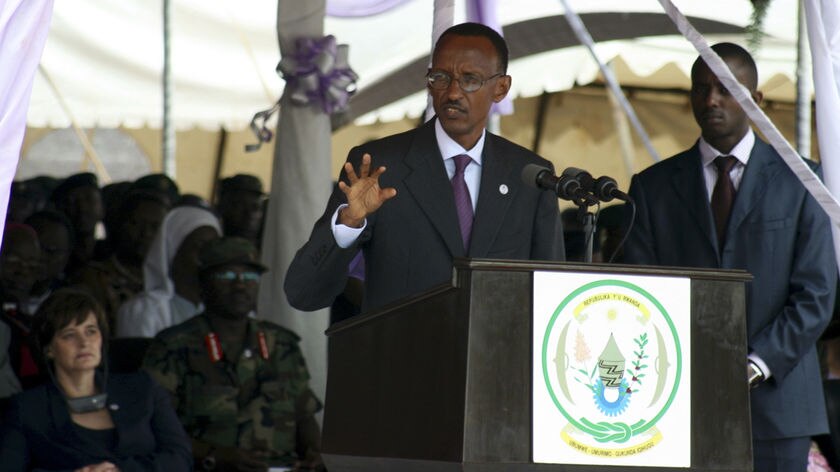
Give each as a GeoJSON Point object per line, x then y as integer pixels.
{"type": "Point", "coordinates": [318, 74]}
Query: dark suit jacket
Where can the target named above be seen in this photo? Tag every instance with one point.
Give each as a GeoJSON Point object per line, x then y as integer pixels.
{"type": "Point", "coordinates": [410, 242]}
{"type": "Point", "coordinates": [779, 234]}
{"type": "Point", "coordinates": [38, 433]}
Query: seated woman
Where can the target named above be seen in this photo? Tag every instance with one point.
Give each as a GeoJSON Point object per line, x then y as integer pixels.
{"type": "Point", "coordinates": [85, 419]}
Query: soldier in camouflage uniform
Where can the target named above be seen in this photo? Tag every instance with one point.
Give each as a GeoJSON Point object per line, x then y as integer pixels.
{"type": "Point", "coordinates": [239, 384]}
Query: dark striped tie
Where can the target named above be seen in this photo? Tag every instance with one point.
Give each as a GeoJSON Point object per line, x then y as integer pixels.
{"type": "Point", "coordinates": [722, 196]}
{"type": "Point", "coordinates": [463, 202]}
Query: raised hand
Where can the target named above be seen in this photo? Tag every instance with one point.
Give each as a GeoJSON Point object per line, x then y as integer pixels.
{"type": "Point", "coordinates": [364, 195]}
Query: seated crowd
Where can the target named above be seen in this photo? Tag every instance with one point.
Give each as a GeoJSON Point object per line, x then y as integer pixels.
{"type": "Point", "coordinates": [174, 279]}
{"type": "Point", "coordinates": [129, 338]}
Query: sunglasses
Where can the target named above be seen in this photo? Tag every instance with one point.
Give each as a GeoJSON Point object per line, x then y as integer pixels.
{"type": "Point", "coordinates": [231, 276]}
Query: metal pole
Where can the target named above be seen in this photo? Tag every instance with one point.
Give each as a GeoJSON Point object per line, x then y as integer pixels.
{"type": "Point", "coordinates": [622, 129]}
{"type": "Point", "coordinates": [580, 31]}
{"type": "Point", "coordinates": [539, 125]}
{"type": "Point", "coordinates": [217, 170]}
{"type": "Point", "coordinates": [90, 152]}
{"type": "Point", "coordinates": [588, 220]}
{"type": "Point", "coordinates": [803, 87]}
{"type": "Point", "coordinates": [168, 129]}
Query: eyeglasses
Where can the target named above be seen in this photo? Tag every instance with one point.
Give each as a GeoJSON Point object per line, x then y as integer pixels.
{"type": "Point", "coordinates": [468, 82]}
{"type": "Point", "coordinates": [231, 276]}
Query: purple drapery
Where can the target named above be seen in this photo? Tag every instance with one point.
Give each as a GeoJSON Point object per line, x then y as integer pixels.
{"type": "Point", "coordinates": [486, 13]}
{"type": "Point", "coordinates": [24, 26]}
{"type": "Point", "coordinates": [358, 8]}
{"type": "Point", "coordinates": [317, 74]}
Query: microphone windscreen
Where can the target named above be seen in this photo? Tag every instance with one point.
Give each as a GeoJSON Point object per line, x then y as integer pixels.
{"type": "Point", "coordinates": [582, 176]}
{"type": "Point", "coordinates": [604, 188]}
{"type": "Point", "coordinates": [530, 173]}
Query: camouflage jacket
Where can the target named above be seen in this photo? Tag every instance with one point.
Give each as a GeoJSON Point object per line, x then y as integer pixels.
{"type": "Point", "coordinates": [252, 403]}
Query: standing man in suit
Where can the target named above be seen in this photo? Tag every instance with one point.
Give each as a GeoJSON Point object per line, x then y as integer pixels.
{"type": "Point", "coordinates": [407, 219]}
{"type": "Point", "coordinates": [773, 229]}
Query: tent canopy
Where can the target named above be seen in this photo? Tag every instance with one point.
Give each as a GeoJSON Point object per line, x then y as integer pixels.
{"type": "Point", "coordinates": [105, 58]}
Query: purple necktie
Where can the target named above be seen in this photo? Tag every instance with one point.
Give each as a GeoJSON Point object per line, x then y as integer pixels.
{"type": "Point", "coordinates": [723, 196]}
{"type": "Point", "coordinates": [463, 202]}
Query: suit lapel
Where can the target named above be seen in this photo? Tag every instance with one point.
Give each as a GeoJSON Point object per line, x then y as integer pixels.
{"type": "Point", "coordinates": [688, 182]}
{"type": "Point", "coordinates": [492, 204]}
{"type": "Point", "coordinates": [761, 169]}
{"type": "Point", "coordinates": [429, 185]}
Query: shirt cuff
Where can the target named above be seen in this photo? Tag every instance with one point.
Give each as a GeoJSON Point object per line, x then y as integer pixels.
{"type": "Point", "coordinates": [345, 235]}
{"type": "Point", "coordinates": [760, 364]}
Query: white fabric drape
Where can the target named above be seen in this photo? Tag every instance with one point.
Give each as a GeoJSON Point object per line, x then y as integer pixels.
{"type": "Point", "coordinates": [823, 20]}
{"type": "Point", "coordinates": [300, 186]}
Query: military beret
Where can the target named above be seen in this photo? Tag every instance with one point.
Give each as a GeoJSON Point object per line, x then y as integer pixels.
{"type": "Point", "coordinates": [21, 188]}
{"type": "Point", "coordinates": [241, 182]}
{"type": "Point", "coordinates": [158, 183]}
{"type": "Point", "coordinates": [44, 183]}
{"type": "Point", "coordinates": [228, 250]}
{"type": "Point", "coordinates": [84, 179]}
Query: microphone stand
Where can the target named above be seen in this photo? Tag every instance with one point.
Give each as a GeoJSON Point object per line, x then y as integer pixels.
{"type": "Point", "coordinates": [568, 187]}
{"type": "Point", "coordinates": [588, 219]}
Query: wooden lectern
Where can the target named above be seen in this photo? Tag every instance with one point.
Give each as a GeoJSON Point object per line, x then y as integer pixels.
{"type": "Point", "coordinates": [442, 381]}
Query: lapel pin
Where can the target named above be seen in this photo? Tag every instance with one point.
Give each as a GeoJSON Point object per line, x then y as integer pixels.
{"type": "Point", "coordinates": [503, 189]}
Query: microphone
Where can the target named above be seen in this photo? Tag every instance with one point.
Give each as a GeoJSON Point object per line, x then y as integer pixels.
{"type": "Point", "coordinates": [606, 189]}
{"type": "Point", "coordinates": [538, 176]}
{"type": "Point", "coordinates": [565, 186]}
{"type": "Point", "coordinates": [574, 184]}
{"type": "Point", "coordinates": [582, 176]}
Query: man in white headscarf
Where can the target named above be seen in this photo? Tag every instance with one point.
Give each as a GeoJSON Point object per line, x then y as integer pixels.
{"type": "Point", "coordinates": [170, 275]}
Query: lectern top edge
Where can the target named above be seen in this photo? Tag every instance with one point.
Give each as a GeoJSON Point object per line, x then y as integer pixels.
{"type": "Point", "coordinates": [503, 265]}
{"type": "Point", "coordinates": [519, 266]}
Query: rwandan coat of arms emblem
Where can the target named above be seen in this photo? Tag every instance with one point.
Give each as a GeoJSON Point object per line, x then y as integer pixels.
{"type": "Point", "coordinates": [612, 362]}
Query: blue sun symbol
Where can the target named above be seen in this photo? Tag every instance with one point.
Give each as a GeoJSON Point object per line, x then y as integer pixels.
{"type": "Point", "coordinates": [611, 408]}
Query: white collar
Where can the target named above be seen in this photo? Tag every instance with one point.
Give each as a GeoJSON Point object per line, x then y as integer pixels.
{"type": "Point", "coordinates": [741, 151]}
{"type": "Point", "coordinates": [449, 148]}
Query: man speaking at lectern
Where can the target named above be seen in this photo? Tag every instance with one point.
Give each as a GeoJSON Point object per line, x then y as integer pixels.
{"type": "Point", "coordinates": [731, 202]}
{"type": "Point", "coordinates": [414, 201]}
